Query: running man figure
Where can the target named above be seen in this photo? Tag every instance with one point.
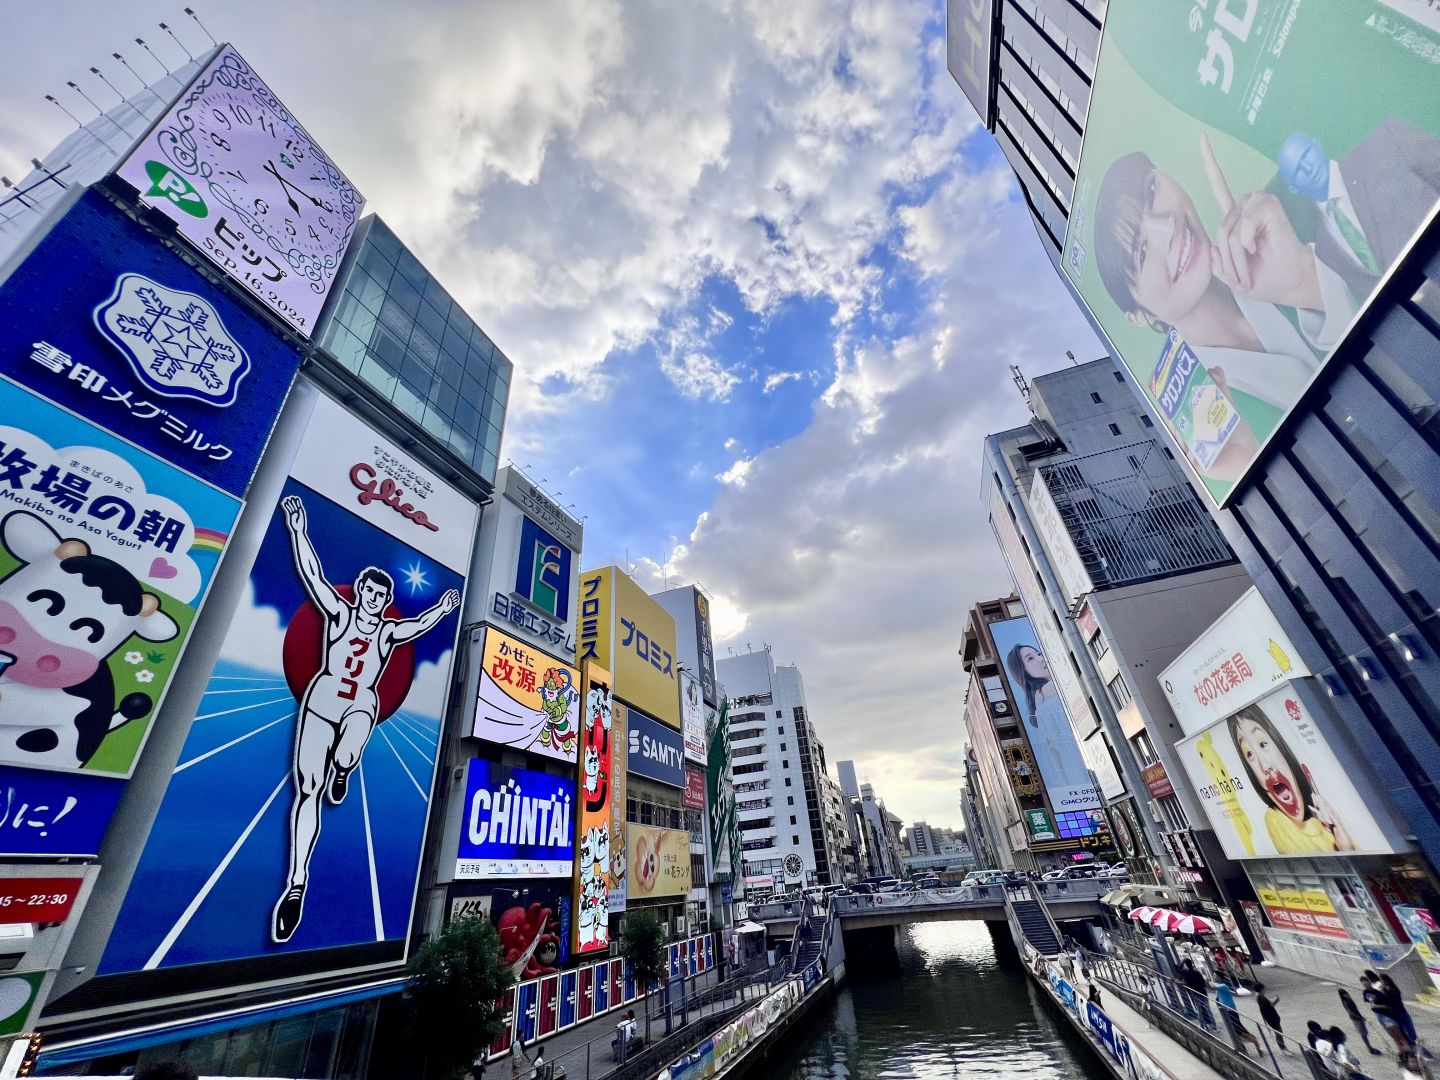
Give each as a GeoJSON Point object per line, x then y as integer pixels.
{"type": "Point", "coordinates": [340, 707]}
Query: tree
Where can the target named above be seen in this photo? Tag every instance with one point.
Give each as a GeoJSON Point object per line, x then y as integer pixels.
{"type": "Point", "coordinates": [642, 943]}
{"type": "Point", "coordinates": [456, 983]}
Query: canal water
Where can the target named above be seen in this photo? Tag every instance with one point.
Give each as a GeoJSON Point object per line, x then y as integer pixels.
{"type": "Point", "coordinates": [949, 1010]}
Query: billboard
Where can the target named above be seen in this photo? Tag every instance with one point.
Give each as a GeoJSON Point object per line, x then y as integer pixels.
{"type": "Point", "coordinates": [969, 30]}
{"type": "Point", "coordinates": [105, 320]}
{"type": "Point", "coordinates": [656, 752]}
{"type": "Point", "coordinates": [518, 823]}
{"type": "Point", "coordinates": [600, 863]}
{"type": "Point", "coordinates": [534, 928]}
{"type": "Point", "coordinates": [633, 636]}
{"type": "Point", "coordinates": [531, 549]}
{"type": "Point", "coordinates": [295, 817]}
{"type": "Point", "coordinates": [1239, 197]}
{"type": "Point", "coordinates": [1069, 568]}
{"type": "Point", "coordinates": [1241, 657]}
{"type": "Point", "coordinates": [249, 188]}
{"type": "Point", "coordinates": [1068, 784]}
{"type": "Point", "coordinates": [705, 648]}
{"type": "Point", "coordinates": [1271, 786]}
{"type": "Point", "coordinates": [659, 862]}
{"type": "Point", "coordinates": [720, 796]}
{"type": "Point", "coordinates": [526, 699]}
{"type": "Point", "coordinates": [106, 554]}
{"type": "Point", "coordinates": [694, 794]}
{"type": "Point", "coordinates": [1052, 644]}
{"type": "Point", "coordinates": [692, 718]}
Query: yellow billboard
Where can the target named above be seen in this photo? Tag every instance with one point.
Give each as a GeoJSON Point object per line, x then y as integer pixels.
{"type": "Point", "coordinates": [527, 699]}
{"type": "Point", "coordinates": [624, 630]}
{"type": "Point", "coordinates": [659, 862]}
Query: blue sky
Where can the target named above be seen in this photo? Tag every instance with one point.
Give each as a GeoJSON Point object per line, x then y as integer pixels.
{"type": "Point", "coordinates": [761, 274]}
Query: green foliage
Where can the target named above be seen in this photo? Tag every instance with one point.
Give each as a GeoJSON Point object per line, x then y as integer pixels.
{"type": "Point", "coordinates": [456, 982]}
{"type": "Point", "coordinates": [642, 942]}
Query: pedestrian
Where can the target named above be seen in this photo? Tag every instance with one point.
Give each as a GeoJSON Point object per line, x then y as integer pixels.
{"type": "Point", "coordinates": [1346, 1063]}
{"type": "Point", "coordinates": [1197, 993]}
{"type": "Point", "coordinates": [1313, 1033]}
{"type": "Point", "coordinates": [1094, 996]}
{"type": "Point", "coordinates": [1380, 1005]}
{"type": "Point", "coordinates": [1353, 1011]}
{"type": "Point", "coordinates": [477, 1067]}
{"type": "Point", "coordinates": [1239, 1033]}
{"type": "Point", "coordinates": [537, 1068]}
{"type": "Point", "coordinates": [1270, 1013]}
{"type": "Point", "coordinates": [1402, 1013]}
{"type": "Point", "coordinates": [519, 1061]}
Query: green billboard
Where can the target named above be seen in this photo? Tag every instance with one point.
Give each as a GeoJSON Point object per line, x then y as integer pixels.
{"type": "Point", "coordinates": [1251, 171]}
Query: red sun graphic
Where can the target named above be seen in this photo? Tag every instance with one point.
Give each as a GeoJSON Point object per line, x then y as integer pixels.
{"type": "Point", "coordinates": [305, 646]}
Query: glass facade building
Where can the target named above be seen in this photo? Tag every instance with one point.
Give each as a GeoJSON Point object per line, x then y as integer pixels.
{"type": "Point", "coordinates": [393, 325]}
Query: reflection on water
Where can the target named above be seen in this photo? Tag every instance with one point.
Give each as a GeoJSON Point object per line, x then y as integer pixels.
{"type": "Point", "coordinates": [949, 1010]}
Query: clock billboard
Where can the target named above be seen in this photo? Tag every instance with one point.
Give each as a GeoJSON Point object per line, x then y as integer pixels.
{"type": "Point", "coordinates": [246, 184]}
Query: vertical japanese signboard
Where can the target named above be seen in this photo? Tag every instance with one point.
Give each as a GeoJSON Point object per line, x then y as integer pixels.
{"type": "Point", "coordinates": [245, 183]}
{"type": "Point", "coordinates": [705, 648]}
{"type": "Point", "coordinates": [633, 636]}
{"type": "Point", "coordinates": [599, 857]}
{"type": "Point", "coordinates": [1241, 195]}
{"type": "Point", "coordinates": [295, 818]}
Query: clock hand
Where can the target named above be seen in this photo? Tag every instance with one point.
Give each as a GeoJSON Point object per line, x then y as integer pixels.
{"type": "Point", "coordinates": [270, 168]}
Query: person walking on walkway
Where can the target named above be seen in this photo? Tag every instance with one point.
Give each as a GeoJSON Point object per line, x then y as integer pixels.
{"type": "Point", "coordinates": [1197, 993]}
{"type": "Point", "coordinates": [1270, 1013]}
{"type": "Point", "coordinates": [1402, 1013]}
{"type": "Point", "coordinates": [519, 1061]}
{"type": "Point", "coordinates": [1353, 1011]}
{"type": "Point", "coordinates": [1384, 1011]}
{"type": "Point", "coordinates": [1347, 1065]}
{"type": "Point", "coordinates": [1239, 1033]}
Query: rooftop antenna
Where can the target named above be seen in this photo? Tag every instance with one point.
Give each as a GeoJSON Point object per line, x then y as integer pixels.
{"type": "Point", "coordinates": [143, 45]}
{"type": "Point", "coordinates": [76, 87]}
{"type": "Point", "coordinates": [53, 101]}
{"type": "Point", "coordinates": [49, 174]}
{"type": "Point", "coordinates": [196, 18]}
{"type": "Point", "coordinates": [166, 28]}
{"type": "Point", "coordinates": [6, 182]}
{"type": "Point", "coordinates": [1018, 378]}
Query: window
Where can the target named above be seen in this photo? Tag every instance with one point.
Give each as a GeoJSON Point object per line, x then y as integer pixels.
{"type": "Point", "coordinates": [792, 819]}
{"type": "Point", "coordinates": [697, 868]}
{"type": "Point", "coordinates": [1114, 429]}
{"type": "Point", "coordinates": [795, 840]}
{"type": "Point", "coordinates": [1095, 397]}
{"type": "Point", "coordinates": [1168, 453]}
{"type": "Point", "coordinates": [1097, 645]}
{"type": "Point", "coordinates": [780, 728]}
{"type": "Point", "coordinates": [783, 746]}
{"type": "Point", "coordinates": [789, 800]}
{"type": "Point", "coordinates": [784, 763]}
{"type": "Point", "coordinates": [779, 713]}
{"type": "Point", "coordinates": [787, 782]}
{"type": "Point", "coordinates": [1119, 692]}
{"type": "Point", "coordinates": [1119, 376]}
{"type": "Point", "coordinates": [1145, 421]}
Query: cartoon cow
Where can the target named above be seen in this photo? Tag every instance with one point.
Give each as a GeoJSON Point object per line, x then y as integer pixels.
{"type": "Point", "coordinates": [63, 611]}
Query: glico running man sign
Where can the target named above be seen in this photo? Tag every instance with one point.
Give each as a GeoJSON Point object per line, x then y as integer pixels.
{"type": "Point", "coordinates": [295, 818]}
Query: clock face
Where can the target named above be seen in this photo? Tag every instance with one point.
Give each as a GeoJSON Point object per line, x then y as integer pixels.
{"type": "Point", "coordinates": [246, 184]}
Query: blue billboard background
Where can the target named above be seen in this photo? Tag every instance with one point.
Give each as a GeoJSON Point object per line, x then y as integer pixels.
{"type": "Point", "coordinates": [215, 861]}
{"type": "Point", "coordinates": [656, 750]}
{"type": "Point", "coordinates": [52, 813]}
{"type": "Point", "coordinates": [197, 381]}
{"type": "Point", "coordinates": [484, 782]}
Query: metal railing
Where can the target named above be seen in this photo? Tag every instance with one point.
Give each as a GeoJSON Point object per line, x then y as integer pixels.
{"type": "Point", "coordinates": [1199, 1023]}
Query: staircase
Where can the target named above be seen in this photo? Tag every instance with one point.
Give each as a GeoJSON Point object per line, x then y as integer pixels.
{"type": "Point", "coordinates": [1035, 924]}
{"type": "Point", "coordinates": [811, 943]}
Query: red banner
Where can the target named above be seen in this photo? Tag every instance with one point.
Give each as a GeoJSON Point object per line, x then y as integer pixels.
{"type": "Point", "coordinates": [37, 899]}
{"type": "Point", "coordinates": [694, 796]}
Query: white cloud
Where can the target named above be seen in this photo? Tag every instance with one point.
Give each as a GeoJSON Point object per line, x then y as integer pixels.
{"type": "Point", "coordinates": [777, 379]}
{"type": "Point", "coordinates": [735, 475]}
{"type": "Point", "coordinates": [731, 443]}
{"type": "Point", "coordinates": [699, 375]}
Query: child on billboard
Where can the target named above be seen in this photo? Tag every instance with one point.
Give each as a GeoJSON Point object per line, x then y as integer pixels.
{"type": "Point", "coordinates": [1298, 819]}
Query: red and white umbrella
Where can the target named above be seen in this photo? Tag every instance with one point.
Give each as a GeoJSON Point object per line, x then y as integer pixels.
{"type": "Point", "coordinates": [1142, 914]}
{"type": "Point", "coordinates": [1173, 922]}
{"type": "Point", "coordinates": [1165, 919]}
{"type": "Point", "coordinates": [1195, 924]}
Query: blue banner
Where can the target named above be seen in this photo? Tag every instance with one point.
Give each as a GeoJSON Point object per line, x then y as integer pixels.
{"type": "Point", "coordinates": [518, 823]}
{"type": "Point", "coordinates": [656, 751]}
{"type": "Point", "coordinates": [51, 813]}
{"type": "Point", "coordinates": [106, 320]}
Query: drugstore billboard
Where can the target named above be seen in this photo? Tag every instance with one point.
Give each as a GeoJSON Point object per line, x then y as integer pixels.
{"type": "Point", "coordinates": [634, 637]}
{"type": "Point", "coordinates": [295, 817]}
{"type": "Point", "coordinates": [1271, 786]}
{"type": "Point", "coordinates": [1240, 196]}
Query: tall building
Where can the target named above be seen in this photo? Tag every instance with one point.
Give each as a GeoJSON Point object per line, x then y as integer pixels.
{"type": "Point", "coordinates": [1308, 423]}
{"type": "Point", "coordinates": [1027, 67]}
{"type": "Point", "coordinates": [875, 830]}
{"type": "Point", "coordinates": [981, 828]}
{"type": "Point", "coordinates": [1086, 500]}
{"type": "Point", "coordinates": [778, 766]}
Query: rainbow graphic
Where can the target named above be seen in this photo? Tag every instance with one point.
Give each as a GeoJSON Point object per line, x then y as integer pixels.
{"type": "Point", "coordinates": [209, 540]}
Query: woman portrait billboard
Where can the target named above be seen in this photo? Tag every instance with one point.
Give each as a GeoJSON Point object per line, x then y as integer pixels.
{"type": "Point", "coordinates": [1047, 726]}
{"type": "Point", "coordinates": [1271, 786]}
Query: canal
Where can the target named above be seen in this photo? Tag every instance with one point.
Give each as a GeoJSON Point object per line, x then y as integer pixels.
{"type": "Point", "coordinates": [948, 1010]}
